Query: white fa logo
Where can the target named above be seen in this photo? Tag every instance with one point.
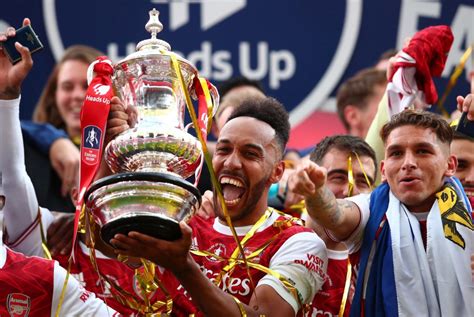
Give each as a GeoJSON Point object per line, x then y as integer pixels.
{"type": "Point", "coordinates": [92, 137]}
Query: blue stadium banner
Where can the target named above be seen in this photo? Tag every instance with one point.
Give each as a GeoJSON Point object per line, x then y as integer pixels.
{"type": "Point", "coordinates": [301, 50]}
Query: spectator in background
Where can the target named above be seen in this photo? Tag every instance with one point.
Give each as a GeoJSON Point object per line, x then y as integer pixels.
{"type": "Point", "coordinates": [62, 98]}
{"type": "Point", "coordinates": [59, 105]}
{"type": "Point", "coordinates": [358, 98]}
{"type": "Point", "coordinates": [384, 59]}
{"type": "Point", "coordinates": [233, 92]}
{"type": "Point", "coordinates": [462, 147]}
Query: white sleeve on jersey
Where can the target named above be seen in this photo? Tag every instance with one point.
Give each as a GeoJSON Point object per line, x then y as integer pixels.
{"type": "Point", "coordinates": [21, 204]}
{"type": "Point", "coordinates": [77, 301]}
{"type": "Point", "coordinates": [354, 242]}
{"type": "Point", "coordinates": [302, 259]}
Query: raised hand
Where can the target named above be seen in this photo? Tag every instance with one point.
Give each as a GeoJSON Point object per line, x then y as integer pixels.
{"type": "Point", "coordinates": [307, 179]}
{"type": "Point", "coordinates": [11, 76]}
{"type": "Point", "coordinates": [118, 118]}
{"type": "Point", "coordinates": [466, 104]}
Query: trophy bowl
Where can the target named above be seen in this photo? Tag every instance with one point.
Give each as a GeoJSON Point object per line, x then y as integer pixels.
{"type": "Point", "coordinates": [148, 191]}
{"type": "Point", "coordinates": [150, 203]}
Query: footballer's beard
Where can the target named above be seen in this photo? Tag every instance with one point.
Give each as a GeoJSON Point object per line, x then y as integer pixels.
{"type": "Point", "coordinates": [252, 194]}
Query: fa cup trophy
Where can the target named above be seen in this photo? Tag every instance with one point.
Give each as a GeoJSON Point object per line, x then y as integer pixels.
{"type": "Point", "coordinates": [148, 191]}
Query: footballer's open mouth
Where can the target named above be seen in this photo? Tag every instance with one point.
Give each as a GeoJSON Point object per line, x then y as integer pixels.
{"type": "Point", "coordinates": [232, 189]}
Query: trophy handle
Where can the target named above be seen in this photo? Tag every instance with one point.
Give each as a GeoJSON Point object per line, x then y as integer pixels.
{"type": "Point", "coordinates": [215, 99]}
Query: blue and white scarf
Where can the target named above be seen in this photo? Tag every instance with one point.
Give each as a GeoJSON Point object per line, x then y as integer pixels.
{"type": "Point", "coordinates": [397, 277]}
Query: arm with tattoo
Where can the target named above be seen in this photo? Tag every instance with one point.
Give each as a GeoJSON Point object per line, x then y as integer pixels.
{"type": "Point", "coordinates": [339, 216]}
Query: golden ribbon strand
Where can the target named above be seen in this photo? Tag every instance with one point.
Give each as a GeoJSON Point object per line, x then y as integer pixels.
{"type": "Point", "coordinates": [210, 105]}
{"type": "Point", "coordinates": [63, 291]}
{"type": "Point", "coordinates": [363, 171]}
{"type": "Point", "coordinates": [453, 80]}
{"type": "Point", "coordinates": [347, 286]}
{"type": "Point", "coordinates": [350, 176]}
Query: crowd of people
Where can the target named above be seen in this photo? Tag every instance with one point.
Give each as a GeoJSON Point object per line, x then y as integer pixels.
{"type": "Point", "coordinates": [351, 227]}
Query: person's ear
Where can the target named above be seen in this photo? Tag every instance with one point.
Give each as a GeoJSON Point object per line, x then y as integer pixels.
{"type": "Point", "coordinates": [382, 170]}
{"type": "Point", "coordinates": [352, 116]}
{"type": "Point", "coordinates": [452, 166]}
{"type": "Point", "coordinates": [277, 173]}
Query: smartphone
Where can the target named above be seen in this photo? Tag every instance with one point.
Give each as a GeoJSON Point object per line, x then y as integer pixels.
{"type": "Point", "coordinates": [26, 36]}
{"type": "Point", "coordinates": [465, 126]}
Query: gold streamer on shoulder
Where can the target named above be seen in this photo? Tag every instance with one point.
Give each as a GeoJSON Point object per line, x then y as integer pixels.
{"type": "Point", "coordinates": [243, 313]}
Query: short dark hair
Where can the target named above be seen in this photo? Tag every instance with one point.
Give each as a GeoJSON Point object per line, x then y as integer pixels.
{"type": "Point", "coordinates": [270, 111]}
{"type": "Point", "coordinates": [387, 54]}
{"type": "Point", "coordinates": [346, 143]}
{"type": "Point", "coordinates": [357, 89]}
{"type": "Point", "coordinates": [235, 82]}
{"type": "Point", "coordinates": [422, 119]}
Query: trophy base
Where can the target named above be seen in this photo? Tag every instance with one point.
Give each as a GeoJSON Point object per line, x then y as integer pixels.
{"type": "Point", "coordinates": [149, 203]}
{"type": "Point", "coordinates": [158, 227]}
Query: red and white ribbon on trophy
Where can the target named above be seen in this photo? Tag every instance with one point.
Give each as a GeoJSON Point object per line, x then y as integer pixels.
{"type": "Point", "coordinates": [94, 115]}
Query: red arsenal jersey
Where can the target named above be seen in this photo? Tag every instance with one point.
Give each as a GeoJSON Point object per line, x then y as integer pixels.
{"type": "Point", "coordinates": [283, 243]}
{"type": "Point", "coordinates": [114, 270]}
{"type": "Point", "coordinates": [327, 301]}
{"type": "Point", "coordinates": [26, 285]}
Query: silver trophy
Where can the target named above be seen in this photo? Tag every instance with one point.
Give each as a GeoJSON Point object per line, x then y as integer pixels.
{"type": "Point", "coordinates": [148, 191]}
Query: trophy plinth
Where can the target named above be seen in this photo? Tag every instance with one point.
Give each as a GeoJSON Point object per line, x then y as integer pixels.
{"type": "Point", "coordinates": [151, 161]}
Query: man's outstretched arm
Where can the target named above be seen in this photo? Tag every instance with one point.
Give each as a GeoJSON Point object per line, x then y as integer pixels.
{"type": "Point", "coordinates": [340, 216]}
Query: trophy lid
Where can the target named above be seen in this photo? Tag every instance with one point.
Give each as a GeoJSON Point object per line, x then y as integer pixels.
{"type": "Point", "coordinates": [153, 26]}
{"type": "Point", "coordinates": [153, 47]}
